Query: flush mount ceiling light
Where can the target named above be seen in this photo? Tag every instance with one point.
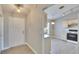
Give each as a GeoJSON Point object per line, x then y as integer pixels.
{"type": "Point", "coordinates": [18, 10]}
{"type": "Point", "coordinates": [61, 7]}
{"type": "Point", "coordinates": [19, 7]}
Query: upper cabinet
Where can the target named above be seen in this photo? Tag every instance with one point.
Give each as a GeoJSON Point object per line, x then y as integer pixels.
{"type": "Point", "coordinates": [71, 23]}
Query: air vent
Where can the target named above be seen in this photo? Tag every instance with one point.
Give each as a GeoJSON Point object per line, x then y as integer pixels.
{"type": "Point", "coordinates": [61, 7]}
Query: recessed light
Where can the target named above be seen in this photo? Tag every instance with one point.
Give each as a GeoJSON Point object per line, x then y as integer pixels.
{"type": "Point", "coordinates": [52, 23]}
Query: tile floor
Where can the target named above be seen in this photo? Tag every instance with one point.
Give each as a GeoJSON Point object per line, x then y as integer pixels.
{"type": "Point", "coordinates": [57, 47]}
{"type": "Point", "coordinates": [23, 49]}
{"type": "Point", "coordinates": [63, 47]}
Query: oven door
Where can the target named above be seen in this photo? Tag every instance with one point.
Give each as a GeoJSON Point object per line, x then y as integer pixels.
{"type": "Point", "coordinates": [72, 36]}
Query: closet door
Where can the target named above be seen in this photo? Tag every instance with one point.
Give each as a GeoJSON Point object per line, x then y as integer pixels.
{"type": "Point", "coordinates": [16, 31]}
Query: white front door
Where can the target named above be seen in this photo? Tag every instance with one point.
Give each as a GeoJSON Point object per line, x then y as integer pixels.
{"type": "Point", "coordinates": [16, 31]}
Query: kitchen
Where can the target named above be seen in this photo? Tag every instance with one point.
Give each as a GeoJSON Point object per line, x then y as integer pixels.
{"type": "Point", "coordinates": [66, 28]}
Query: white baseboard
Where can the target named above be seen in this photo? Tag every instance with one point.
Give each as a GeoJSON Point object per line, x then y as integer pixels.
{"type": "Point", "coordinates": [12, 46]}
{"type": "Point", "coordinates": [6, 48]}
{"type": "Point", "coordinates": [31, 48]}
{"type": "Point", "coordinates": [17, 45]}
{"type": "Point", "coordinates": [51, 52]}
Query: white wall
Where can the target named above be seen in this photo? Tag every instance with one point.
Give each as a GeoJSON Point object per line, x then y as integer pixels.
{"type": "Point", "coordinates": [1, 29]}
{"type": "Point", "coordinates": [6, 31]}
{"type": "Point", "coordinates": [34, 29]}
{"type": "Point", "coordinates": [59, 29]}
{"type": "Point", "coordinates": [1, 32]}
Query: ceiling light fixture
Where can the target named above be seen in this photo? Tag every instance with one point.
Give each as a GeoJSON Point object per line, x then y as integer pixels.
{"type": "Point", "coordinates": [19, 7]}
{"type": "Point", "coordinates": [52, 23]}
{"type": "Point", "coordinates": [61, 7]}
{"type": "Point", "coordinates": [18, 10]}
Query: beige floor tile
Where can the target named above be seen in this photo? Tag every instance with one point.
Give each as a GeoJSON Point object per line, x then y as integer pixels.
{"type": "Point", "coordinates": [23, 49]}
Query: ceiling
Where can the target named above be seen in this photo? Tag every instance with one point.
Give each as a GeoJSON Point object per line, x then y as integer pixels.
{"type": "Point", "coordinates": [10, 9]}
{"type": "Point", "coordinates": [54, 12]}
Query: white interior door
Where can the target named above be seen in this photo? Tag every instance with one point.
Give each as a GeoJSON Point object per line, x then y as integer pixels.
{"type": "Point", "coordinates": [16, 31]}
